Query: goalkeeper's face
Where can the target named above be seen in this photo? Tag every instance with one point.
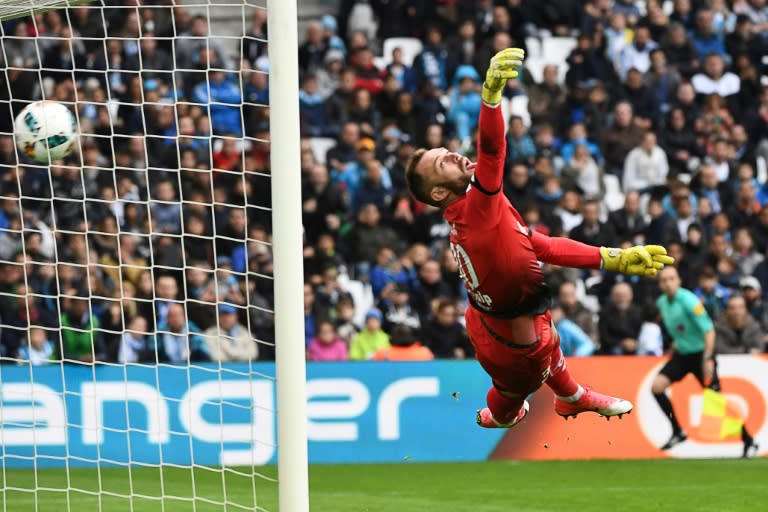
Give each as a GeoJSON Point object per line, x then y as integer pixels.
{"type": "Point", "coordinates": [448, 172]}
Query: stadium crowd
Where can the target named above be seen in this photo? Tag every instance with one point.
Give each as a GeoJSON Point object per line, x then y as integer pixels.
{"type": "Point", "coordinates": [153, 243]}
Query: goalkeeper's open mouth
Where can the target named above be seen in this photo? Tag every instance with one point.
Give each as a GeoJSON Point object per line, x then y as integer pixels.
{"type": "Point", "coordinates": [468, 166]}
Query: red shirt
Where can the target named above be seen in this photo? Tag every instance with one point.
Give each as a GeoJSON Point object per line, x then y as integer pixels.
{"type": "Point", "coordinates": [498, 255]}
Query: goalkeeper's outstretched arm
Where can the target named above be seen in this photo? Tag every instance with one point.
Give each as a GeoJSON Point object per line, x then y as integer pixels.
{"type": "Point", "coordinates": [640, 260]}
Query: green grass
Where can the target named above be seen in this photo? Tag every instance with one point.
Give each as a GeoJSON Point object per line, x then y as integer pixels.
{"type": "Point", "coordinates": [669, 485]}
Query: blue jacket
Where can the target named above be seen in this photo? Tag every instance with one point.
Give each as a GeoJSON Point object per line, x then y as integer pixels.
{"type": "Point", "coordinates": [708, 44]}
{"type": "Point", "coordinates": [198, 350]}
{"type": "Point", "coordinates": [468, 103]}
{"type": "Point", "coordinates": [573, 340]}
{"type": "Point", "coordinates": [225, 118]}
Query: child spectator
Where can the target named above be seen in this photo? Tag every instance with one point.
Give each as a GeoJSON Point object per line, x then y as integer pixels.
{"type": "Point", "coordinates": [650, 341]}
{"type": "Point", "coordinates": [573, 340]}
{"type": "Point", "coordinates": [345, 325]}
{"type": "Point", "coordinates": [404, 347]}
{"type": "Point", "coordinates": [38, 349]}
{"type": "Point", "coordinates": [370, 339]}
{"type": "Point", "coordinates": [133, 345]}
{"type": "Point", "coordinates": [326, 344]}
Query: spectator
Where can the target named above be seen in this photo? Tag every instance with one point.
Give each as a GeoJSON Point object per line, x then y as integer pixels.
{"type": "Point", "coordinates": [680, 50]}
{"type": "Point", "coordinates": [177, 340]}
{"type": "Point", "coordinates": [518, 187]}
{"type": "Point", "coordinates": [705, 38]}
{"type": "Point", "coordinates": [229, 340]}
{"type": "Point", "coordinates": [444, 335]}
{"type": "Point", "coordinates": [431, 287]}
{"type": "Point", "coordinates": [344, 323]}
{"type": "Point", "coordinates": [573, 340]}
{"type": "Point", "coordinates": [432, 63]}
{"type": "Point", "coordinates": [223, 96]}
{"type": "Point", "coordinates": [545, 97]}
{"type": "Point", "coordinates": [662, 80]}
{"type": "Point", "coordinates": [620, 322]}
{"type": "Point", "coordinates": [398, 309]}
{"type": "Point", "coordinates": [133, 344]}
{"type": "Point", "coordinates": [312, 109]}
{"type": "Point", "coordinates": [313, 50]}
{"type": "Point", "coordinates": [465, 102]}
{"type": "Point", "coordinates": [371, 339]}
{"type": "Point", "coordinates": [736, 332]}
{"type": "Point", "coordinates": [646, 166]}
{"type": "Point", "coordinates": [619, 138]}
{"type": "Point", "coordinates": [715, 79]}
{"type": "Point", "coordinates": [591, 231]}
{"type": "Point", "coordinates": [752, 291]}
{"type": "Point", "coordinates": [520, 146]}
{"type": "Point", "coordinates": [403, 347]}
{"type": "Point", "coordinates": [628, 222]}
{"type": "Point", "coordinates": [636, 55]}
{"type": "Point", "coordinates": [20, 311]}
{"type": "Point", "coordinates": [81, 337]}
{"type": "Point", "coordinates": [650, 341]}
{"type": "Point", "coordinates": [37, 348]}
{"type": "Point", "coordinates": [326, 345]}
{"type": "Point", "coordinates": [575, 311]}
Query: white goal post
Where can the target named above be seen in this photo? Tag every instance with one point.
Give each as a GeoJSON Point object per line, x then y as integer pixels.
{"type": "Point", "coordinates": [151, 292]}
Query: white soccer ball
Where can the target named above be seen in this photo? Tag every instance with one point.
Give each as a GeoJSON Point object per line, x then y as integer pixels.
{"type": "Point", "coordinates": [46, 131]}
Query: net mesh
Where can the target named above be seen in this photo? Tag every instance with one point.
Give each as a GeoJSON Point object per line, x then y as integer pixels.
{"type": "Point", "coordinates": [136, 285]}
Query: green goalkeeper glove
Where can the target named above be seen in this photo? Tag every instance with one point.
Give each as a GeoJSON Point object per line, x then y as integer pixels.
{"type": "Point", "coordinates": [504, 66]}
{"type": "Point", "coordinates": [640, 260]}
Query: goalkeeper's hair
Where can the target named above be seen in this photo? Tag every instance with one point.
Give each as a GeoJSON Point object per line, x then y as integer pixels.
{"type": "Point", "coordinates": [418, 184]}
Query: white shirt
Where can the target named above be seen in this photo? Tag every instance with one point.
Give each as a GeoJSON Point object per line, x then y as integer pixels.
{"type": "Point", "coordinates": [643, 170]}
{"type": "Point", "coordinates": [727, 84]}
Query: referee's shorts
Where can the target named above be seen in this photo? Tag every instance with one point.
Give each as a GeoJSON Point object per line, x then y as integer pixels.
{"type": "Point", "coordinates": [681, 365]}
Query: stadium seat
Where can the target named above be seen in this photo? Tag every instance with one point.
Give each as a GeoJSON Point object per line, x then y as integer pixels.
{"type": "Point", "coordinates": [535, 66]}
{"type": "Point", "coordinates": [557, 49]}
{"type": "Point", "coordinates": [761, 170]}
{"type": "Point", "coordinates": [533, 47]}
{"type": "Point", "coordinates": [320, 146]}
{"type": "Point", "coordinates": [518, 106]}
{"type": "Point", "coordinates": [505, 113]}
{"type": "Point", "coordinates": [614, 197]}
{"type": "Point", "coordinates": [410, 46]}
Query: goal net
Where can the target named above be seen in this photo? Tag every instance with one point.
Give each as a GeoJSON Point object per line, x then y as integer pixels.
{"type": "Point", "coordinates": [136, 275]}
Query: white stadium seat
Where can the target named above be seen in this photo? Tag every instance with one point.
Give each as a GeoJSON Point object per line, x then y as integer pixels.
{"type": "Point", "coordinates": [320, 146]}
{"type": "Point", "coordinates": [410, 46]}
{"type": "Point", "coordinates": [535, 66]}
{"type": "Point", "coordinates": [761, 173]}
{"type": "Point", "coordinates": [614, 197]}
{"type": "Point", "coordinates": [557, 49]}
{"type": "Point", "coordinates": [533, 47]}
{"type": "Point", "coordinates": [518, 106]}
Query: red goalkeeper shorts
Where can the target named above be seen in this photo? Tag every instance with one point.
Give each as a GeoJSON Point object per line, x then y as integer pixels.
{"type": "Point", "coordinates": [514, 368]}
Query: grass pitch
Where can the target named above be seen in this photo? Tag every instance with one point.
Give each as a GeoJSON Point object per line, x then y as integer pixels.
{"type": "Point", "coordinates": [599, 486]}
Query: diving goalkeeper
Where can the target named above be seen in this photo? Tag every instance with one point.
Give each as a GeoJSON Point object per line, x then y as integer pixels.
{"type": "Point", "coordinates": [508, 318]}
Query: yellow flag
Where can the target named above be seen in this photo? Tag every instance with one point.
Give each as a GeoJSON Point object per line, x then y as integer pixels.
{"type": "Point", "coordinates": [720, 419]}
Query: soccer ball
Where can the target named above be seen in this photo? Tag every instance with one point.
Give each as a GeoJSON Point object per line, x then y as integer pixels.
{"type": "Point", "coordinates": [45, 131]}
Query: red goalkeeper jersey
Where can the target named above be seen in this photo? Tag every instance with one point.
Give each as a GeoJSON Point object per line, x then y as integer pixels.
{"type": "Point", "coordinates": [498, 255]}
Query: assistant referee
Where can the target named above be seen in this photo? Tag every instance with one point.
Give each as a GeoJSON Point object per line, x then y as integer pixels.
{"type": "Point", "coordinates": [693, 334]}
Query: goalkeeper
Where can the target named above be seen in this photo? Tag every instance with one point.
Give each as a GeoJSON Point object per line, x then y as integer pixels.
{"type": "Point", "coordinates": [508, 318]}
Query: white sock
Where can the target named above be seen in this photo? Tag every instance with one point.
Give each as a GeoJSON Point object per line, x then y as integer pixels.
{"type": "Point", "coordinates": [574, 396]}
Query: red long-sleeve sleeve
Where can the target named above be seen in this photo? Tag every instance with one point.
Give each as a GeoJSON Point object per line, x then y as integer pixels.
{"type": "Point", "coordinates": [491, 148]}
{"type": "Point", "coordinates": [565, 252]}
